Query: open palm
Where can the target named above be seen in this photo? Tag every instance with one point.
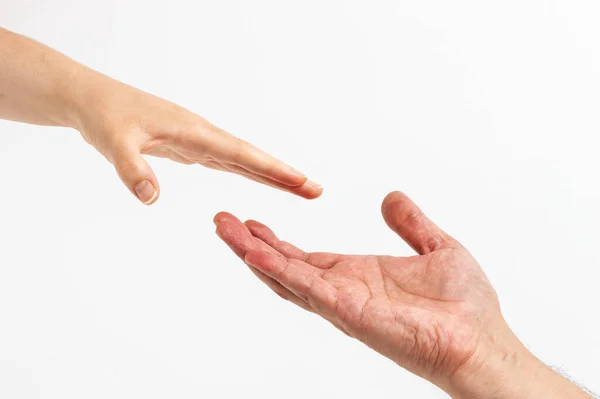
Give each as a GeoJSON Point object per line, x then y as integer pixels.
{"type": "Point", "coordinates": [428, 313]}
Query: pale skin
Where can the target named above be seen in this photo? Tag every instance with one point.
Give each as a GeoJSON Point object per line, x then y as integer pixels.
{"type": "Point", "coordinates": [435, 314]}
{"type": "Point", "coordinates": [41, 86]}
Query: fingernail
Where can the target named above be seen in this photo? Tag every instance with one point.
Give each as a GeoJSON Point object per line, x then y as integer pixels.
{"type": "Point", "coordinates": [297, 173]}
{"type": "Point", "coordinates": [314, 185]}
{"type": "Point", "coordinates": [145, 192]}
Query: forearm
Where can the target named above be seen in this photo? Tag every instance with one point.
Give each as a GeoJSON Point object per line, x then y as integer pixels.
{"type": "Point", "coordinates": [36, 82]}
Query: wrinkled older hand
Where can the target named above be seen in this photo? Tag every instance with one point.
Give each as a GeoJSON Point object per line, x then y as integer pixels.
{"type": "Point", "coordinates": [435, 314]}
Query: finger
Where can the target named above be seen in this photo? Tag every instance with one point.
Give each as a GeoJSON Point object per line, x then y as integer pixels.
{"type": "Point", "coordinates": [137, 175]}
{"type": "Point", "coordinates": [287, 295]}
{"type": "Point", "coordinates": [237, 236]}
{"type": "Point", "coordinates": [411, 224]}
{"type": "Point", "coordinates": [322, 260]}
{"type": "Point", "coordinates": [280, 290]}
{"type": "Point", "coordinates": [239, 239]}
{"type": "Point", "coordinates": [265, 234]}
{"type": "Point", "coordinates": [307, 190]}
{"type": "Point", "coordinates": [300, 278]}
{"type": "Point", "coordinates": [312, 297]}
{"type": "Point", "coordinates": [230, 149]}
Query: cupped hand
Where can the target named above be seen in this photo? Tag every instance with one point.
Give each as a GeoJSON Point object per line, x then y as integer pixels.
{"type": "Point", "coordinates": [435, 314]}
{"type": "Point", "coordinates": [124, 123]}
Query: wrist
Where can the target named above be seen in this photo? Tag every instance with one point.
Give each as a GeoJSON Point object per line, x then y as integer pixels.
{"type": "Point", "coordinates": [92, 95]}
{"type": "Point", "coordinates": [80, 97]}
{"type": "Point", "coordinates": [499, 370]}
{"type": "Point", "coordinates": [505, 369]}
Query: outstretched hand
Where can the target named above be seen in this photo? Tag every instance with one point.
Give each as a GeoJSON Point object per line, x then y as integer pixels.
{"type": "Point", "coordinates": [42, 86]}
{"type": "Point", "coordinates": [124, 123]}
{"type": "Point", "coordinates": [435, 314]}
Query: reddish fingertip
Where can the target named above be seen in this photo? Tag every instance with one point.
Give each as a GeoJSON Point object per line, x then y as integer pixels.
{"type": "Point", "coordinates": [262, 232]}
{"type": "Point", "coordinates": [223, 231]}
{"type": "Point", "coordinates": [235, 236]}
{"type": "Point", "coordinates": [220, 216]}
{"type": "Point", "coordinates": [253, 225]}
{"type": "Point", "coordinates": [393, 197]}
{"type": "Point", "coordinates": [225, 217]}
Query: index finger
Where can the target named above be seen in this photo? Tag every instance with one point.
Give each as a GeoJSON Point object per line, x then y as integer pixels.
{"type": "Point", "coordinates": [233, 150]}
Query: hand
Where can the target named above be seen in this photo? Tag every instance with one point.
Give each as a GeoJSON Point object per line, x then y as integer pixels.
{"type": "Point", "coordinates": [42, 86]}
{"type": "Point", "coordinates": [435, 314]}
{"type": "Point", "coordinates": [123, 123]}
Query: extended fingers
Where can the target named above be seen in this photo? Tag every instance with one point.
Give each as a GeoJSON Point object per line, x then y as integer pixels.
{"type": "Point", "coordinates": [239, 239]}
{"type": "Point", "coordinates": [322, 260]}
{"type": "Point", "coordinates": [265, 234]}
{"type": "Point", "coordinates": [300, 278]}
{"type": "Point", "coordinates": [237, 236]}
{"type": "Point", "coordinates": [280, 290]}
{"type": "Point", "coordinates": [288, 295]}
{"type": "Point", "coordinates": [308, 189]}
{"type": "Point", "coordinates": [249, 157]}
{"type": "Point", "coordinates": [234, 234]}
{"type": "Point", "coordinates": [249, 160]}
{"type": "Point", "coordinates": [292, 279]}
{"type": "Point", "coordinates": [277, 270]}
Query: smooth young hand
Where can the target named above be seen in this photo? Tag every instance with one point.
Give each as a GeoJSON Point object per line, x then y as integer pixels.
{"type": "Point", "coordinates": [435, 314]}
{"type": "Point", "coordinates": [41, 86]}
{"type": "Point", "coordinates": [123, 123]}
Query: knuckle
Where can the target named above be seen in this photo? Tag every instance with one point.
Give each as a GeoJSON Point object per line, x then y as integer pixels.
{"type": "Point", "coordinates": [413, 217]}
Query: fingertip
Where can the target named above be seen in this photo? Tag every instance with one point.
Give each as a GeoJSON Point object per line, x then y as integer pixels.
{"type": "Point", "coordinates": [146, 192]}
{"type": "Point", "coordinates": [262, 232]}
{"type": "Point", "coordinates": [136, 173]}
{"type": "Point", "coordinates": [395, 202]}
{"type": "Point", "coordinates": [314, 186]}
{"type": "Point", "coordinates": [392, 197]}
{"type": "Point", "coordinates": [226, 229]}
{"type": "Point", "coordinates": [315, 195]}
{"type": "Point", "coordinates": [396, 208]}
{"type": "Point", "coordinates": [236, 236]}
{"type": "Point", "coordinates": [294, 177]}
{"type": "Point", "coordinates": [254, 225]}
{"type": "Point", "coordinates": [221, 216]}
{"type": "Point", "coordinates": [221, 231]}
{"type": "Point", "coordinates": [309, 190]}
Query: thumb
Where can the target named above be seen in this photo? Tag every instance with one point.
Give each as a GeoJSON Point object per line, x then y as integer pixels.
{"type": "Point", "coordinates": [137, 175]}
{"type": "Point", "coordinates": [410, 223]}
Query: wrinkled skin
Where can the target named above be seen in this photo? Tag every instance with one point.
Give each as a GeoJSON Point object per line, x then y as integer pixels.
{"type": "Point", "coordinates": [433, 314]}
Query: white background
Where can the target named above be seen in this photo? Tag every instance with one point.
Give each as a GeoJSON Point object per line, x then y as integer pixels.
{"type": "Point", "coordinates": [486, 113]}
